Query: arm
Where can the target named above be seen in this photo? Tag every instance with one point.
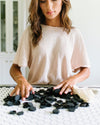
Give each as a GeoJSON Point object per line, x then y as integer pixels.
{"type": "Point", "coordinates": [16, 73]}
{"type": "Point", "coordinates": [71, 81]}
{"type": "Point", "coordinates": [23, 87]}
{"type": "Point", "coordinates": [82, 75]}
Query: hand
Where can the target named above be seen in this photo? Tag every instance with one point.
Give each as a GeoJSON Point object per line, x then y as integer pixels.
{"type": "Point", "coordinates": [66, 85]}
{"type": "Point", "coordinates": [22, 88]}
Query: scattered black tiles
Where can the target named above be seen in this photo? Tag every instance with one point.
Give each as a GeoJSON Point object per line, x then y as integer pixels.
{"type": "Point", "coordinates": [84, 104]}
{"type": "Point", "coordinates": [45, 98]}
{"type": "Point", "coordinates": [20, 113]}
{"type": "Point", "coordinates": [55, 111]}
{"type": "Point", "coordinates": [27, 104]}
{"type": "Point", "coordinates": [12, 100]}
{"type": "Point", "coordinates": [17, 98]}
{"type": "Point", "coordinates": [12, 112]}
{"type": "Point", "coordinates": [72, 109]}
{"type": "Point", "coordinates": [9, 103]}
{"type": "Point", "coordinates": [32, 108]}
{"type": "Point", "coordinates": [59, 102]}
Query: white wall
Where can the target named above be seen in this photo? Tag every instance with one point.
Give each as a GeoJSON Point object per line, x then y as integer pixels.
{"type": "Point", "coordinates": [85, 15]}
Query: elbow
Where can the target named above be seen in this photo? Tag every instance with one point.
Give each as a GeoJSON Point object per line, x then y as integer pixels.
{"type": "Point", "coordinates": [88, 72]}
{"type": "Point", "coordinates": [12, 69]}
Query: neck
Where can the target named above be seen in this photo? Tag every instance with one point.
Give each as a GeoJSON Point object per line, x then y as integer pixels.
{"type": "Point", "coordinates": [53, 22]}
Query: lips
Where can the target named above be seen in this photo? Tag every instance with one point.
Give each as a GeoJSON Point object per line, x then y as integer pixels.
{"type": "Point", "coordinates": [50, 12]}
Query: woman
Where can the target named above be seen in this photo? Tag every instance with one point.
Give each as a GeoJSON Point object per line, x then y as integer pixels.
{"type": "Point", "coordinates": [51, 48]}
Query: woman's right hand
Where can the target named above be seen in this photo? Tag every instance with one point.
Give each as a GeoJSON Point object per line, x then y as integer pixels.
{"type": "Point", "coordinates": [23, 88]}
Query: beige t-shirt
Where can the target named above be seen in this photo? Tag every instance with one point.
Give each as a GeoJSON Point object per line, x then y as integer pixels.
{"type": "Point", "coordinates": [56, 56]}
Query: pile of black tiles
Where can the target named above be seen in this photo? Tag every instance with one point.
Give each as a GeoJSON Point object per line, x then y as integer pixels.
{"type": "Point", "coordinates": [48, 98]}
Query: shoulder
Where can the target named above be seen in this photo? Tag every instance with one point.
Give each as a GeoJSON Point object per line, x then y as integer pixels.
{"type": "Point", "coordinates": [26, 35]}
{"type": "Point", "coordinates": [77, 36]}
{"type": "Point", "coordinates": [75, 32]}
{"type": "Point", "coordinates": [27, 30]}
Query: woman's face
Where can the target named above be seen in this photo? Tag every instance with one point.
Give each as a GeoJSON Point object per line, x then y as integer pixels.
{"type": "Point", "coordinates": [51, 8]}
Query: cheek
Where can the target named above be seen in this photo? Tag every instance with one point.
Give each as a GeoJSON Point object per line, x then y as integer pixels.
{"type": "Point", "coordinates": [58, 6]}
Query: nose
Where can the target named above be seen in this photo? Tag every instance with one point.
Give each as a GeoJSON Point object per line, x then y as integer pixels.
{"type": "Point", "coordinates": [49, 4]}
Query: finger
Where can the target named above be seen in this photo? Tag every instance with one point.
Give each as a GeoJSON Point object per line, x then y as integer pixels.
{"type": "Point", "coordinates": [63, 89]}
{"type": "Point", "coordinates": [72, 91]}
{"type": "Point", "coordinates": [32, 90]}
{"type": "Point", "coordinates": [27, 92]}
{"type": "Point", "coordinates": [59, 85]}
{"type": "Point", "coordinates": [67, 90]}
{"type": "Point", "coordinates": [17, 91]}
{"type": "Point", "coordinates": [23, 92]}
{"type": "Point", "coordinates": [12, 93]}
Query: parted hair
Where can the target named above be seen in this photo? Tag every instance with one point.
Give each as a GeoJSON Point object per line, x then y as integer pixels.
{"type": "Point", "coordinates": [36, 18]}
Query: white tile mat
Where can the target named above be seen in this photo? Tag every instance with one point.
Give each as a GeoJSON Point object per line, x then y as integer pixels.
{"type": "Point", "coordinates": [82, 116]}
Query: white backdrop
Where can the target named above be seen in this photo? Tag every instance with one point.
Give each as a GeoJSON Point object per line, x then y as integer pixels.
{"type": "Point", "coordinates": [85, 15]}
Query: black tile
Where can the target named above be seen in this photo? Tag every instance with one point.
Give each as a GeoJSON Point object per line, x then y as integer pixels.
{"type": "Point", "coordinates": [27, 104]}
{"type": "Point", "coordinates": [55, 111]}
{"type": "Point", "coordinates": [32, 108]}
{"type": "Point", "coordinates": [84, 104]}
{"type": "Point", "coordinates": [72, 109]}
{"type": "Point", "coordinates": [12, 112]}
{"type": "Point", "coordinates": [20, 113]}
{"type": "Point", "coordinates": [17, 97]}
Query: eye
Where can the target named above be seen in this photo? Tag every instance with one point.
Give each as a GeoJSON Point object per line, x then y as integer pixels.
{"type": "Point", "coordinates": [42, 1]}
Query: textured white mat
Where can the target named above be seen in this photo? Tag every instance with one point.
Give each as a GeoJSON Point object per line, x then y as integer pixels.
{"type": "Point", "coordinates": [82, 116]}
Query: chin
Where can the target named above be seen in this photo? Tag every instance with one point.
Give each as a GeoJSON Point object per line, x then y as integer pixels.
{"type": "Point", "coordinates": [51, 17]}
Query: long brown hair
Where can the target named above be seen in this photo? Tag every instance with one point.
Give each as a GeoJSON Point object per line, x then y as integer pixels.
{"type": "Point", "coordinates": [36, 18]}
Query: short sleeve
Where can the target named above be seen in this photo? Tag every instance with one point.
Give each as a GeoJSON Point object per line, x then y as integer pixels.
{"type": "Point", "coordinates": [23, 51]}
{"type": "Point", "coordinates": [79, 55]}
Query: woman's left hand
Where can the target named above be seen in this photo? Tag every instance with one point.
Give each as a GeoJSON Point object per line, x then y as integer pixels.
{"type": "Point", "coordinates": [66, 85]}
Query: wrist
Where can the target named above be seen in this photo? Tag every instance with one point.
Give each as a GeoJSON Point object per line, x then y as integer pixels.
{"type": "Point", "coordinates": [20, 79]}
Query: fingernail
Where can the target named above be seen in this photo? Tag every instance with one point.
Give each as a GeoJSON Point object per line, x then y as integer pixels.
{"type": "Point", "coordinates": [33, 92]}
{"type": "Point", "coordinates": [26, 96]}
{"type": "Point", "coordinates": [60, 93]}
{"type": "Point", "coordinates": [23, 99]}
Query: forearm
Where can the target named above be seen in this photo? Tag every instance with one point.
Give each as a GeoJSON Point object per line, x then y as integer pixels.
{"type": "Point", "coordinates": [82, 75]}
{"type": "Point", "coordinates": [16, 74]}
